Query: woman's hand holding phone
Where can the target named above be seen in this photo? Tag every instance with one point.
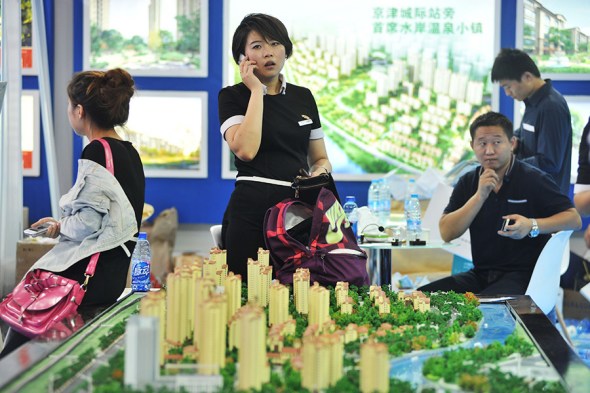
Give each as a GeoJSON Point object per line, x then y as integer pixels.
{"type": "Point", "coordinates": [247, 69]}
{"type": "Point", "coordinates": [37, 231]}
{"type": "Point", "coordinates": [47, 227]}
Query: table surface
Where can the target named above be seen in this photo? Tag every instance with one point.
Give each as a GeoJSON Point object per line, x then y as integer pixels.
{"type": "Point", "coordinates": [405, 246]}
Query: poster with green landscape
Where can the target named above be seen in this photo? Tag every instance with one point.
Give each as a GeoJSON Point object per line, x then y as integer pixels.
{"type": "Point", "coordinates": [166, 37]}
{"type": "Point", "coordinates": [556, 34]}
{"type": "Point", "coordinates": [175, 143]}
{"type": "Point", "coordinates": [397, 83]}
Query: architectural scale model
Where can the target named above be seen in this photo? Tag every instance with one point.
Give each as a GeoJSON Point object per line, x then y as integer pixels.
{"type": "Point", "coordinates": [210, 334]}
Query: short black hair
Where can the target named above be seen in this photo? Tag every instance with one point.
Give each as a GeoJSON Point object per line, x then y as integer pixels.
{"type": "Point", "coordinates": [268, 26]}
{"type": "Point", "coordinates": [511, 64]}
{"type": "Point", "coordinates": [492, 119]}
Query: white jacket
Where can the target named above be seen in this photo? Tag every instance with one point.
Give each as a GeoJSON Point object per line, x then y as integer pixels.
{"type": "Point", "coordinates": [96, 216]}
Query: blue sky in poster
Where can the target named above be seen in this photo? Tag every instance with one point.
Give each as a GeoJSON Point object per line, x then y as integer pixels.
{"type": "Point", "coordinates": [120, 12]}
{"type": "Point", "coordinates": [575, 11]}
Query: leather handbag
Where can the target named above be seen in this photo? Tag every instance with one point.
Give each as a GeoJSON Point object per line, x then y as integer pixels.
{"type": "Point", "coordinates": [43, 299]}
{"type": "Point", "coordinates": [308, 188]}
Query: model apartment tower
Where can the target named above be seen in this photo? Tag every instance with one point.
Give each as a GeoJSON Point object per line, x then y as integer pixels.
{"type": "Point", "coordinates": [374, 367]}
{"type": "Point", "coordinates": [301, 279]}
{"type": "Point", "coordinates": [251, 333]}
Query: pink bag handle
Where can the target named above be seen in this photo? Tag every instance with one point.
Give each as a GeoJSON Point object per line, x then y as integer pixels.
{"type": "Point", "coordinates": [108, 154]}
{"type": "Point", "coordinates": [111, 168]}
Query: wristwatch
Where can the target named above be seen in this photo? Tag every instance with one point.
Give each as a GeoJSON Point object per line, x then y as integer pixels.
{"type": "Point", "coordinates": [534, 229]}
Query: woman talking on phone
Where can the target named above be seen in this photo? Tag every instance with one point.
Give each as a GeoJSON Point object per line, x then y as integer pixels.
{"type": "Point", "coordinates": [273, 129]}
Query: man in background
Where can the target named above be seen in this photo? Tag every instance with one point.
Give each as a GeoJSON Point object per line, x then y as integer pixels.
{"type": "Point", "coordinates": [510, 209]}
{"type": "Point", "coordinates": [545, 133]}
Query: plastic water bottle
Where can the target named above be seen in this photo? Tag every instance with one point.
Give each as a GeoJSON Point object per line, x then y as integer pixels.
{"type": "Point", "coordinates": [373, 197]}
{"type": "Point", "coordinates": [410, 190]}
{"type": "Point", "coordinates": [140, 265]}
{"type": "Point", "coordinates": [413, 219]}
{"type": "Point", "coordinates": [385, 200]}
{"type": "Point", "coordinates": [349, 209]}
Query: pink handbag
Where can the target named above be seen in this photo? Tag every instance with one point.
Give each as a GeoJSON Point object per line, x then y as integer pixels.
{"type": "Point", "coordinates": [44, 298]}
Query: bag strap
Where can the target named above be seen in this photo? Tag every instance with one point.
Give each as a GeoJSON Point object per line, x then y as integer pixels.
{"type": "Point", "coordinates": [91, 268]}
{"type": "Point", "coordinates": [108, 154]}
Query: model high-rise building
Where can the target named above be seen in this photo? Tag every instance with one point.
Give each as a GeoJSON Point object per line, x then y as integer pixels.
{"type": "Point", "coordinates": [141, 351]}
{"type": "Point", "coordinates": [212, 328]}
{"type": "Point", "coordinates": [153, 304]}
{"type": "Point", "coordinates": [233, 290]}
{"type": "Point", "coordinates": [374, 367]}
{"type": "Point", "coordinates": [322, 360]}
{"type": "Point", "coordinates": [173, 335]}
{"type": "Point", "coordinates": [259, 279]}
{"type": "Point", "coordinates": [204, 288]}
{"type": "Point", "coordinates": [346, 305]}
{"type": "Point", "coordinates": [301, 280]}
{"type": "Point", "coordinates": [278, 308]}
{"type": "Point", "coordinates": [253, 280]}
{"type": "Point", "coordinates": [263, 257]}
{"type": "Point", "coordinates": [341, 292]}
{"type": "Point", "coordinates": [253, 368]}
{"type": "Point", "coordinates": [319, 305]}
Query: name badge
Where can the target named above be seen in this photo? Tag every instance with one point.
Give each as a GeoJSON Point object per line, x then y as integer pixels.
{"type": "Point", "coordinates": [528, 127]}
{"type": "Point", "coordinates": [517, 200]}
{"type": "Point", "coordinates": [305, 122]}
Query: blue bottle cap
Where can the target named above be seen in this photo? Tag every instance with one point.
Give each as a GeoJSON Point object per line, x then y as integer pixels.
{"type": "Point", "coordinates": [142, 236]}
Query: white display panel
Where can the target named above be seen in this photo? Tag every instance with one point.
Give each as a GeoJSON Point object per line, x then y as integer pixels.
{"type": "Point", "coordinates": [30, 132]}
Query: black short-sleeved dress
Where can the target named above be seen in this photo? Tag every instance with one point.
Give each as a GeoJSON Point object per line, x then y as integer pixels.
{"type": "Point", "coordinates": [583, 180]}
{"type": "Point", "coordinates": [111, 271]}
{"type": "Point", "coordinates": [290, 120]}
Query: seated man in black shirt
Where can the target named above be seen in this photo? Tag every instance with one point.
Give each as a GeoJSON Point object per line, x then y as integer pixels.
{"type": "Point", "coordinates": [502, 188]}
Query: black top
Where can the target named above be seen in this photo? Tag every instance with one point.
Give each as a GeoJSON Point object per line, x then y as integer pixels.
{"type": "Point", "coordinates": [545, 135]}
{"type": "Point", "coordinates": [128, 169]}
{"type": "Point", "coordinates": [111, 270]}
{"type": "Point", "coordinates": [584, 157]}
{"type": "Point", "coordinates": [526, 191]}
{"type": "Point", "coordinates": [285, 132]}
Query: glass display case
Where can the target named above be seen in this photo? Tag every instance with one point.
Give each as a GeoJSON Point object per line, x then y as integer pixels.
{"type": "Point", "coordinates": [35, 365]}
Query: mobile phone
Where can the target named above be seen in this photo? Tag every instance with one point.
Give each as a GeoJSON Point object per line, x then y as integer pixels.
{"type": "Point", "coordinates": [506, 222]}
{"type": "Point", "coordinates": [241, 58]}
{"type": "Point", "coordinates": [40, 230]}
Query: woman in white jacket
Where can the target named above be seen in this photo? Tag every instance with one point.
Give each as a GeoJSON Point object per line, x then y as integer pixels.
{"type": "Point", "coordinates": [101, 212]}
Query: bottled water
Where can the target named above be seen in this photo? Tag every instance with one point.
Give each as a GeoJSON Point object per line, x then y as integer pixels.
{"type": "Point", "coordinates": [349, 209]}
{"type": "Point", "coordinates": [140, 265]}
{"type": "Point", "coordinates": [413, 220]}
{"type": "Point", "coordinates": [373, 197]}
{"type": "Point", "coordinates": [385, 201]}
{"type": "Point", "coordinates": [410, 189]}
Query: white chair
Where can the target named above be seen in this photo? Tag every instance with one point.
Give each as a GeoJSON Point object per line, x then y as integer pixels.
{"type": "Point", "coordinates": [216, 235]}
{"type": "Point", "coordinates": [544, 284]}
{"type": "Point", "coordinates": [438, 201]}
{"type": "Point", "coordinates": [585, 291]}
